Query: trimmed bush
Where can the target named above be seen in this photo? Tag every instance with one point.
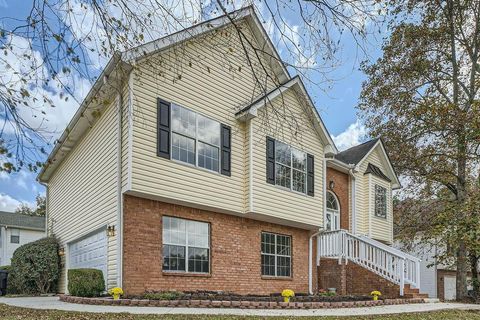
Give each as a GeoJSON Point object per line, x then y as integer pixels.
{"type": "Point", "coordinates": [85, 282]}
{"type": "Point", "coordinates": [35, 267]}
{"type": "Point", "coordinates": [166, 295]}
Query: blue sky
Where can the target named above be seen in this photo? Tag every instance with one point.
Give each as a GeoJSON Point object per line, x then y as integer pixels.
{"type": "Point", "coordinates": [336, 105]}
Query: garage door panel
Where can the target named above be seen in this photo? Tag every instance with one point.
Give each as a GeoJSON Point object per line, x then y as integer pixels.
{"type": "Point", "coordinates": [89, 252]}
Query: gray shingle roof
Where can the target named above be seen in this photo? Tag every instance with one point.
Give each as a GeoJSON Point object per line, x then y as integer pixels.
{"type": "Point", "coordinates": [355, 154]}
{"type": "Point", "coordinates": [21, 221]}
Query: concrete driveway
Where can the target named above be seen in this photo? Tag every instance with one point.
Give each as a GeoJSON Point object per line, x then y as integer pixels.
{"type": "Point", "coordinates": [54, 303]}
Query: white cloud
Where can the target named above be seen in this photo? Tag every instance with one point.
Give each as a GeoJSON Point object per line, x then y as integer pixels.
{"type": "Point", "coordinates": [7, 203]}
{"type": "Point", "coordinates": [352, 136]}
{"type": "Point", "coordinates": [23, 68]}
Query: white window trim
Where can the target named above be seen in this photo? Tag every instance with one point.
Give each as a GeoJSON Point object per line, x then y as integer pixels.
{"type": "Point", "coordinates": [291, 169]}
{"type": "Point", "coordinates": [187, 247]}
{"type": "Point", "coordinates": [17, 234]}
{"type": "Point", "coordinates": [375, 202]}
{"type": "Point", "coordinates": [275, 255]}
{"type": "Point", "coordinates": [335, 214]}
{"type": "Point", "coordinates": [197, 140]}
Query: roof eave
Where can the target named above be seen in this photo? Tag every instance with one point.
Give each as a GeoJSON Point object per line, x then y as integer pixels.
{"type": "Point", "coordinates": [77, 119]}
{"type": "Point", "coordinates": [248, 13]}
{"type": "Point", "coordinates": [396, 183]}
{"type": "Point", "coordinates": [251, 110]}
{"type": "Point", "coordinates": [23, 227]}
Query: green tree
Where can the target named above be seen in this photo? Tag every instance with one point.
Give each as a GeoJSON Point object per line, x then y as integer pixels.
{"type": "Point", "coordinates": [422, 97]}
{"type": "Point", "coordinates": [61, 45]}
{"type": "Point", "coordinates": [39, 210]}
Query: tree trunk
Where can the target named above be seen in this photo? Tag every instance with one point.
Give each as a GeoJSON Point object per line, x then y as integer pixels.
{"type": "Point", "coordinates": [473, 268]}
{"type": "Point", "coordinates": [462, 269]}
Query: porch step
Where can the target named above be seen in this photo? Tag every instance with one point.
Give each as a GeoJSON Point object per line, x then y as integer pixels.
{"type": "Point", "coordinates": [409, 292]}
{"type": "Point", "coordinates": [415, 295]}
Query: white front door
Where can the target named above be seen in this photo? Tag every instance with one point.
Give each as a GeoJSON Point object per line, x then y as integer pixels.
{"type": "Point", "coordinates": [333, 213]}
{"type": "Point", "coordinates": [89, 252]}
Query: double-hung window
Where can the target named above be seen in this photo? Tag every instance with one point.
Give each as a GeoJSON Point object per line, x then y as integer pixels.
{"type": "Point", "coordinates": [14, 236]}
{"type": "Point", "coordinates": [380, 201]}
{"type": "Point", "coordinates": [276, 255]}
{"type": "Point", "coordinates": [290, 167]}
{"type": "Point", "coordinates": [186, 245]}
{"type": "Point", "coordinates": [195, 139]}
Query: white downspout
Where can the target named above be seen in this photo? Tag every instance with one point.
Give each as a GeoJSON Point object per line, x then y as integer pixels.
{"type": "Point", "coordinates": [354, 202]}
{"type": "Point", "coordinates": [310, 264]}
{"type": "Point", "coordinates": [119, 192]}
{"type": "Point", "coordinates": [250, 166]}
{"type": "Point", "coordinates": [324, 190]}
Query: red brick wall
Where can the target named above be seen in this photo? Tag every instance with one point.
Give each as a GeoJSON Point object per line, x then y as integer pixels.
{"type": "Point", "coordinates": [332, 275]}
{"type": "Point", "coordinates": [235, 252]}
{"type": "Point", "coordinates": [357, 280]}
{"type": "Point", "coordinates": [341, 181]}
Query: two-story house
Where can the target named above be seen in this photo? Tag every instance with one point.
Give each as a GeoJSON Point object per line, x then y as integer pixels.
{"type": "Point", "coordinates": [179, 173]}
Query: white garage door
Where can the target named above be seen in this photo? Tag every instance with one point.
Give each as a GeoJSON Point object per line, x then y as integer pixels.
{"type": "Point", "coordinates": [90, 252]}
{"type": "Point", "coordinates": [450, 287]}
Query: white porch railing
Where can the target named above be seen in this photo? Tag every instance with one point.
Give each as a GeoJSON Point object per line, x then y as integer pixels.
{"type": "Point", "coordinates": [385, 261]}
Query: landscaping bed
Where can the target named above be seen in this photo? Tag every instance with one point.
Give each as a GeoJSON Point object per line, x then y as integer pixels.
{"type": "Point", "coordinates": [334, 302]}
{"type": "Point", "coordinates": [226, 296]}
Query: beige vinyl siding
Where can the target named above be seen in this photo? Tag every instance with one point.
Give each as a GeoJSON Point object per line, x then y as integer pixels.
{"type": "Point", "coordinates": [82, 191]}
{"type": "Point", "coordinates": [367, 223]}
{"type": "Point", "coordinates": [275, 201]}
{"type": "Point", "coordinates": [381, 228]}
{"type": "Point", "coordinates": [126, 129]}
{"type": "Point", "coordinates": [194, 76]}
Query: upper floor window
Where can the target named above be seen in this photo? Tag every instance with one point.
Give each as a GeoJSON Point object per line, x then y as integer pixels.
{"type": "Point", "coordinates": [333, 212]}
{"type": "Point", "coordinates": [290, 167]}
{"type": "Point", "coordinates": [195, 139]}
{"type": "Point", "coordinates": [276, 255]}
{"type": "Point", "coordinates": [186, 245]}
{"type": "Point", "coordinates": [189, 137]}
{"type": "Point", "coordinates": [380, 201]}
{"type": "Point", "coordinates": [14, 236]}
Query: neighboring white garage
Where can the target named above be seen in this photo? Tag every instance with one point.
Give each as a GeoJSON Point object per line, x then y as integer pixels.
{"type": "Point", "coordinates": [89, 252]}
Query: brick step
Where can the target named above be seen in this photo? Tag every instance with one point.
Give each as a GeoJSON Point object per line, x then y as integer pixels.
{"type": "Point", "coordinates": [411, 290]}
{"type": "Point", "coordinates": [415, 295]}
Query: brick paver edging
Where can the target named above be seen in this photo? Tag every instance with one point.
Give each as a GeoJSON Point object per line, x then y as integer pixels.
{"type": "Point", "coordinates": [235, 304]}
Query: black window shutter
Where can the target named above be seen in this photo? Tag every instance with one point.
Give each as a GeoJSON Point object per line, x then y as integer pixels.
{"type": "Point", "coordinates": [163, 128]}
{"type": "Point", "coordinates": [310, 175]}
{"type": "Point", "coordinates": [226, 150]}
{"type": "Point", "coordinates": [270, 160]}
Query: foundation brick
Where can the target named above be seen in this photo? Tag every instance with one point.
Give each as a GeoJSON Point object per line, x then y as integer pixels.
{"type": "Point", "coordinates": [235, 252]}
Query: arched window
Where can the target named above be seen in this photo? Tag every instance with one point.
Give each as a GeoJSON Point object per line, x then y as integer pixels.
{"type": "Point", "coordinates": [333, 212]}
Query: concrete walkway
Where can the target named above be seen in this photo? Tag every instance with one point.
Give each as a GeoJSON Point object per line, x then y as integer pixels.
{"type": "Point", "coordinates": [54, 303]}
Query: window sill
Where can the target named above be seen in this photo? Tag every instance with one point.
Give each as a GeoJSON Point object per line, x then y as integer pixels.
{"type": "Point", "coordinates": [291, 191]}
{"type": "Point", "coordinates": [380, 218]}
{"type": "Point", "coordinates": [277, 278]}
{"type": "Point", "coordinates": [186, 274]}
{"type": "Point", "coordinates": [189, 165]}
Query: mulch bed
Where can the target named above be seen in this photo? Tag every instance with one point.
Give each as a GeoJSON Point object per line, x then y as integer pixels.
{"type": "Point", "coordinates": [222, 296]}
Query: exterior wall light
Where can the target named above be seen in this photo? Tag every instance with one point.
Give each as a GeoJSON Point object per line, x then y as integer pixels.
{"type": "Point", "coordinates": [111, 231]}
{"type": "Point", "coordinates": [331, 185]}
{"type": "Point", "coordinates": [61, 251]}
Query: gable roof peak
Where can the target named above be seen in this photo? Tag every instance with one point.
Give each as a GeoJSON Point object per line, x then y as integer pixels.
{"type": "Point", "coordinates": [356, 153]}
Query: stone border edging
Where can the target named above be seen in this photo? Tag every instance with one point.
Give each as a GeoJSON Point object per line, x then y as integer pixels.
{"type": "Point", "coordinates": [235, 304]}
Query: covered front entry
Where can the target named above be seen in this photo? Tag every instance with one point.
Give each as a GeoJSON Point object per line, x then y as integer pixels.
{"type": "Point", "coordinates": [89, 252]}
{"type": "Point", "coordinates": [337, 201]}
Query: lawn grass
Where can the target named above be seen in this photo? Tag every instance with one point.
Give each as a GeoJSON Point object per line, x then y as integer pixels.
{"type": "Point", "coordinates": [15, 313]}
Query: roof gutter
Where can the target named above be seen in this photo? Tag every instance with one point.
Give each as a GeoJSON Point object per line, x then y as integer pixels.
{"type": "Point", "coordinates": [22, 227]}
{"type": "Point", "coordinates": [101, 80]}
